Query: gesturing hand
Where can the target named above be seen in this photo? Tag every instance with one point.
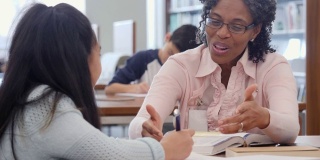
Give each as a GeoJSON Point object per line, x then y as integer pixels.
{"type": "Point", "coordinates": [248, 115]}
{"type": "Point", "coordinates": [153, 126]}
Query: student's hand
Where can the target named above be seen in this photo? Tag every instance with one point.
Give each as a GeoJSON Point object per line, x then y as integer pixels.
{"type": "Point", "coordinates": [177, 145]}
{"type": "Point", "coordinates": [153, 126]}
{"type": "Point", "coordinates": [142, 87]}
{"type": "Point", "coordinates": [249, 113]}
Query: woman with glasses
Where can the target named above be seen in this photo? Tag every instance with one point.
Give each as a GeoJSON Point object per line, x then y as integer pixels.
{"type": "Point", "coordinates": [235, 82]}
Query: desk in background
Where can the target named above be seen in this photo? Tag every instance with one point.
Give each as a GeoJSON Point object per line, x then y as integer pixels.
{"type": "Point", "coordinates": [117, 111]}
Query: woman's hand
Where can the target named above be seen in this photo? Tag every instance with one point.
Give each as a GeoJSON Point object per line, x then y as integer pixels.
{"type": "Point", "coordinates": [153, 126]}
{"type": "Point", "coordinates": [177, 145]}
{"type": "Point", "coordinates": [248, 115]}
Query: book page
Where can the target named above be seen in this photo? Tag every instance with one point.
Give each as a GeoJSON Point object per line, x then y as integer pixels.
{"type": "Point", "coordinates": [258, 139]}
{"type": "Point", "coordinates": [211, 143]}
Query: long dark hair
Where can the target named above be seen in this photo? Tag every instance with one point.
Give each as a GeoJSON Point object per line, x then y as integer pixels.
{"type": "Point", "coordinates": [262, 11]}
{"type": "Point", "coordinates": [50, 46]}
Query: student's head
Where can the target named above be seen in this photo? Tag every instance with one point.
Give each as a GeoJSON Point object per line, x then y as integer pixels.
{"type": "Point", "coordinates": [182, 39]}
{"type": "Point", "coordinates": [229, 26]}
{"type": "Point", "coordinates": [55, 46]}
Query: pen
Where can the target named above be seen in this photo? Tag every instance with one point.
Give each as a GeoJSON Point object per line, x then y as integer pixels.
{"type": "Point", "coordinates": [177, 119]}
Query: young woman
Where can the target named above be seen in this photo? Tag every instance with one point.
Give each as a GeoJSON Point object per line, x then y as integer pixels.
{"type": "Point", "coordinates": [47, 105]}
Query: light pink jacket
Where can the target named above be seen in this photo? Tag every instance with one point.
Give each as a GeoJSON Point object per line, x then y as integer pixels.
{"type": "Point", "coordinates": [185, 77]}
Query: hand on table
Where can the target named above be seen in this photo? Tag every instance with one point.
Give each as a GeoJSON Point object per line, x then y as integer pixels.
{"type": "Point", "coordinates": [142, 87]}
{"type": "Point", "coordinates": [248, 115]}
{"type": "Point", "coordinates": [153, 126]}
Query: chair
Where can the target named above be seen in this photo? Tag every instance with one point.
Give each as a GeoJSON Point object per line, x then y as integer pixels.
{"type": "Point", "coordinates": [121, 62]}
{"type": "Point", "coordinates": [302, 117]}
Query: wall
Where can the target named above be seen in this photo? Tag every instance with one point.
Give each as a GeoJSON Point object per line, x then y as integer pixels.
{"type": "Point", "coordinates": [105, 12]}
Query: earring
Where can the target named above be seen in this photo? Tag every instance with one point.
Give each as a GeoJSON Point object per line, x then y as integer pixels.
{"type": "Point", "coordinates": [252, 40]}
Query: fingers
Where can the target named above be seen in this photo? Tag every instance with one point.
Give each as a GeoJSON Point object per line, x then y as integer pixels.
{"type": "Point", "coordinates": [154, 116]}
{"type": "Point", "coordinates": [146, 133]}
{"type": "Point", "coordinates": [232, 128]}
{"type": "Point", "coordinates": [247, 97]}
{"type": "Point", "coordinates": [248, 93]}
{"type": "Point", "coordinates": [243, 107]}
{"type": "Point", "coordinates": [231, 124]}
{"type": "Point", "coordinates": [151, 128]}
{"type": "Point", "coordinates": [230, 120]}
{"type": "Point", "coordinates": [191, 132]}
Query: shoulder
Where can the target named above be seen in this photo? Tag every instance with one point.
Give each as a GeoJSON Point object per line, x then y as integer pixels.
{"type": "Point", "coordinates": [146, 53]}
{"type": "Point", "coordinates": [64, 102]}
{"type": "Point", "coordinates": [38, 112]}
{"type": "Point", "coordinates": [146, 56]}
{"type": "Point", "coordinates": [189, 57]}
{"type": "Point", "coordinates": [273, 59]}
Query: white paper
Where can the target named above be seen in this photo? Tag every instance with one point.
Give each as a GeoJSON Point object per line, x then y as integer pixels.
{"type": "Point", "coordinates": [132, 94]}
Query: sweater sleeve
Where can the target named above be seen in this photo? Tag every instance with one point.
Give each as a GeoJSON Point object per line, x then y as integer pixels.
{"type": "Point", "coordinates": [281, 93]}
{"type": "Point", "coordinates": [166, 89]}
{"type": "Point", "coordinates": [69, 136]}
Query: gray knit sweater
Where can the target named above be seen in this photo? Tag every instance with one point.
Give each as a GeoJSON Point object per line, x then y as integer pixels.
{"type": "Point", "coordinates": [68, 136]}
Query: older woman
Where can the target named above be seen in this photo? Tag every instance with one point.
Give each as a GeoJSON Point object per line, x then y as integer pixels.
{"type": "Point", "coordinates": [233, 83]}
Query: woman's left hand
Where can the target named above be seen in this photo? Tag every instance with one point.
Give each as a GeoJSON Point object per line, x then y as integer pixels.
{"type": "Point", "coordinates": [248, 115]}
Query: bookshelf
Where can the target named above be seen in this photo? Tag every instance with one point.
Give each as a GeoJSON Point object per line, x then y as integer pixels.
{"type": "Point", "coordinates": [289, 21]}
{"type": "Point", "coordinates": [180, 12]}
{"type": "Point", "coordinates": [289, 29]}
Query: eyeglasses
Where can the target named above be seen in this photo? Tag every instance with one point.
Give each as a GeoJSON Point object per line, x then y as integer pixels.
{"type": "Point", "coordinates": [234, 28]}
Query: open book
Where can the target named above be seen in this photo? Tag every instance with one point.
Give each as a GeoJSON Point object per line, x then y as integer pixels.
{"type": "Point", "coordinates": [212, 143]}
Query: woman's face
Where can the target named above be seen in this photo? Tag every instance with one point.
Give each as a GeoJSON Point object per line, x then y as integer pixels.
{"type": "Point", "coordinates": [225, 46]}
{"type": "Point", "coordinates": [95, 63]}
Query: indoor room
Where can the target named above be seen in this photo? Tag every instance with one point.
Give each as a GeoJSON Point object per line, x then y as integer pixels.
{"type": "Point", "coordinates": [126, 29]}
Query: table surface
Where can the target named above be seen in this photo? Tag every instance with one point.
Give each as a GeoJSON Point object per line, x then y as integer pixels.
{"type": "Point", "coordinates": [120, 108]}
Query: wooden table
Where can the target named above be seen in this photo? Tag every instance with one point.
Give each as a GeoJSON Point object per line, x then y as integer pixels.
{"type": "Point", "coordinates": [117, 111]}
{"type": "Point", "coordinates": [120, 108]}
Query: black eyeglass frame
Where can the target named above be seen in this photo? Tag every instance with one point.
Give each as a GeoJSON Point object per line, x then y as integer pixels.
{"type": "Point", "coordinates": [245, 28]}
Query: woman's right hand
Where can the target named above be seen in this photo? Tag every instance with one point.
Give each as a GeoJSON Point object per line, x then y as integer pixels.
{"type": "Point", "coordinates": [153, 126]}
{"type": "Point", "coordinates": [177, 145]}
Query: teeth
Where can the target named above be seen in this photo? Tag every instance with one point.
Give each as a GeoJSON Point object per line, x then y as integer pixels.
{"type": "Point", "coordinates": [220, 47]}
